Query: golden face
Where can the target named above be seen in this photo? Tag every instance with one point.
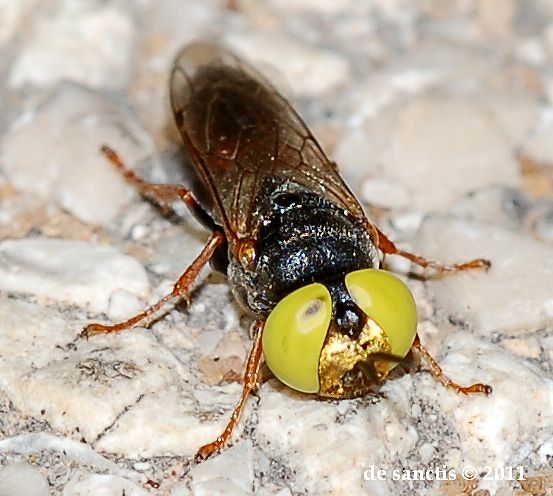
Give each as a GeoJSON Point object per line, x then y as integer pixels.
{"type": "Point", "coordinates": [305, 349]}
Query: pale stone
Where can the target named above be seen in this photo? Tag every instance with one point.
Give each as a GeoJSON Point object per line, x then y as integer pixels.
{"type": "Point", "coordinates": [369, 99]}
{"type": "Point", "coordinates": [78, 452]}
{"type": "Point", "coordinates": [165, 27]}
{"type": "Point", "coordinates": [54, 150]}
{"type": "Point", "coordinates": [356, 435]}
{"type": "Point", "coordinates": [354, 154]}
{"type": "Point", "coordinates": [443, 148]}
{"type": "Point", "coordinates": [123, 304]}
{"type": "Point", "coordinates": [170, 423]}
{"type": "Point", "coordinates": [457, 31]}
{"type": "Point", "coordinates": [512, 296]}
{"type": "Point", "coordinates": [516, 112]}
{"type": "Point", "coordinates": [79, 41]}
{"type": "Point", "coordinates": [496, 16]}
{"type": "Point", "coordinates": [504, 207]}
{"type": "Point", "coordinates": [142, 466]}
{"type": "Point", "coordinates": [232, 345]}
{"type": "Point", "coordinates": [176, 249]}
{"type": "Point", "coordinates": [407, 222]}
{"type": "Point", "coordinates": [398, 264]}
{"type": "Point", "coordinates": [106, 485]}
{"type": "Point", "coordinates": [11, 15]}
{"type": "Point", "coordinates": [496, 427]}
{"type": "Point", "coordinates": [30, 337]}
{"type": "Point", "coordinates": [547, 344]}
{"type": "Point", "coordinates": [309, 71]}
{"type": "Point", "coordinates": [50, 374]}
{"type": "Point", "coordinates": [532, 51]}
{"type": "Point", "coordinates": [91, 379]}
{"type": "Point", "coordinates": [425, 104]}
{"type": "Point", "coordinates": [384, 193]}
{"type": "Point", "coordinates": [395, 10]}
{"type": "Point", "coordinates": [169, 27]}
{"type": "Point", "coordinates": [548, 39]}
{"type": "Point", "coordinates": [529, 347]}
{"type": "Point", "coordinates": [426, 451]}
{"type": "Point", "coordinates": [180, 489]}
{"type": "Point", "coordinates": [543, 229]}
{"type": "Point", "coordinates": [74, 272]}
{"type": "Point", "coordinates": [539, 145]}
{"type": "Point", "coordinates": [323, 7]}
{"type": "Point", "coordinates": [132, 221]}
{"type": "Point", "coordinates": [22, 479]}
{"type": "Point", "coordinates": [231, 473]}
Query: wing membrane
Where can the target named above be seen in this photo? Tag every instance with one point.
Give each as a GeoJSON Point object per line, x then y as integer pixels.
{"type": "Point", "coordinates": [241, 133]}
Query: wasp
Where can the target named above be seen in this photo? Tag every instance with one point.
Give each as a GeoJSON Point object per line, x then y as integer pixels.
{"type": "Point", "coordinates": [295, 244]}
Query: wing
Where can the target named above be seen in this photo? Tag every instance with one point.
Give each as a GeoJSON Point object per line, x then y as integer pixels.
{"type": "Point", "coordinates": [242, 134]}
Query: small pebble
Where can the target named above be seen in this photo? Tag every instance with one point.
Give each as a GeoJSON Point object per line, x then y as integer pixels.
{"type": "Point", "coordinates": [78, 41]}
{"type": "Point", "coordinates": [21, 479]}
{"type": "Point", "coordinates": [74, 272]}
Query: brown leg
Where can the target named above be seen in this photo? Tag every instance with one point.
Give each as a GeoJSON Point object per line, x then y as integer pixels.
{"type": "Point", "coordinates": [162, 194]}
{"type": "Point", "coordinates": [388, 247]}
{"type": "Point", "coordinates": [250, 384]}
{"type": "Point", "coordinates": [180, 290]}
{"type": "Point", "coordinates": [444, 379]}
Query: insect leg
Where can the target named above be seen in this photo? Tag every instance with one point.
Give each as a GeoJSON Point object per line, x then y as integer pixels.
{"type": "Point", "coordinates": [251, 375]}
{"type": "Point", "coordinates": [162, 194]}
{"type": "Point", "coordinates": [180, 290]}
{"type": "Point", "coordinates": [444, 379]}
{"type": "Point", "coordinates": [389, 248]}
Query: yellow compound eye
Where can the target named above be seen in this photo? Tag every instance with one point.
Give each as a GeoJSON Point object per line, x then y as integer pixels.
{"type": "Point", "coordinates": [388, 301]}
{"type": "Point", "coordinates": [294, 334]}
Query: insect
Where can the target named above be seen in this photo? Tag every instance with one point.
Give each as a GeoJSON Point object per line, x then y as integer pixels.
{"type": "Point", "coordinates": [298, 251]}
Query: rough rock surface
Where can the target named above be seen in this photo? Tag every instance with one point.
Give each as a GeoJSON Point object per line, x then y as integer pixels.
{"type": "Point", "coordinates": [440, 116]}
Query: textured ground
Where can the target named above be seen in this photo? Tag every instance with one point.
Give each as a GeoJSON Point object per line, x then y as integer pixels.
{"type": "Point", "coordinates": [440, 116]}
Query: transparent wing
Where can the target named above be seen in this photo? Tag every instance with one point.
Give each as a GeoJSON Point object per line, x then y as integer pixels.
{"type": "Point", "coordinates": [242, 134]}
